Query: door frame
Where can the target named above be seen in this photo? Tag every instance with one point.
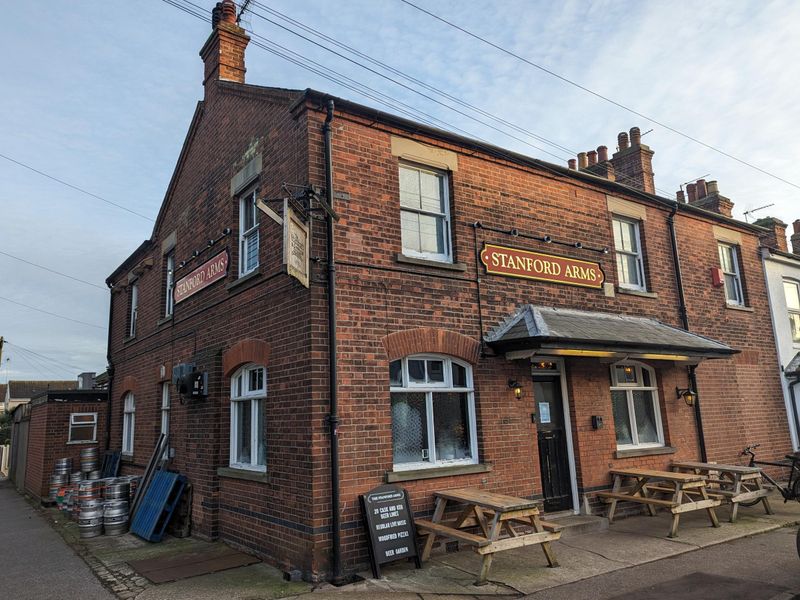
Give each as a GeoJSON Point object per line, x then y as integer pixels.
{"type": "Point", "coordinates": [562, 375]}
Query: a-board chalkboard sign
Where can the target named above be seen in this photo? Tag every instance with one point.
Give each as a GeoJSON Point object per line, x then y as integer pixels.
{"type": "Point", "coordinates": [390, 526]}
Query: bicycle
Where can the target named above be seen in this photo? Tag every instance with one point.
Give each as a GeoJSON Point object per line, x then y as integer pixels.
{"type": "Point", "coordinates": [792, 489]}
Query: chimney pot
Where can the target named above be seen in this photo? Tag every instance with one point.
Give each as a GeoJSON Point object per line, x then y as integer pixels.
{"type": "Point", "coordinates": [702, 192]}
{"type": "Point", "coordinates": [636, 136]}
{"type": "Point", "coordinates": [622, 140]}
{"type": "Point", "coordinates": [582, 161]}
{"type": "Point", "coordinates": [229, 11]}
{"type": "Point", "coordinates": [681, 197]}
{"type": "Point", "coordinates": [712, 187]}
{"type": "Point", "coordinates": [796, 226]}
{"type": "Point", "coordinates": [216, 15]}
{"type": "Point", "coordinates": [691, 191]}
{"type": "Point", "coordinates": [592, 157]}
{"type": "Point", "coordinates": [602, 154]}
{"type": "Point", "coordinates": [572, 164]}
{"type": "Point", "coordinates": [796, 237]}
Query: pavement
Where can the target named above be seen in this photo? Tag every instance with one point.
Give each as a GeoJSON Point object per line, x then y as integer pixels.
{"type": "Point", "coordinates": [590, 548]}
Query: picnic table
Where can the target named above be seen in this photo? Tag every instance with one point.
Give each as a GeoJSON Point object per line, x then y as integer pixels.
{"type": "Point", "coordinates": [677, 492]}
{"type": "Point", "coordinates": [493, 514]}
{"type": "Point", "coordinates": [734, 482]}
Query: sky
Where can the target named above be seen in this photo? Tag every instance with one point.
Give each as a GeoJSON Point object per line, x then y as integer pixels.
{"type": "Point", "coordinates": [99, 94]}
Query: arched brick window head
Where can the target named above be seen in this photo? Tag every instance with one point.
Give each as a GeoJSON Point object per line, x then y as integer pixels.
{"type": "Point", "coordinates": [243, 352]}
{"type": "Point", "coordinates": [429, 340]}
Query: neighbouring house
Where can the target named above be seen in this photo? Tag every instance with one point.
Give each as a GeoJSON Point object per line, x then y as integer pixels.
{"type": "Point", "coordinates": [21, 392]}
{"type": "Point", "coordinates": [334, 297]}
{"type": "Point", "coordinates": [782, 270]}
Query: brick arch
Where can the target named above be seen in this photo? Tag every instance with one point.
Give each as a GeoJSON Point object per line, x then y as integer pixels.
{"type": "Point", "coordinates": [429, 340]}
{"type": "Point", "coordinates": [243, 352]}
{"type": "Point", "coordinates": [129, 384]}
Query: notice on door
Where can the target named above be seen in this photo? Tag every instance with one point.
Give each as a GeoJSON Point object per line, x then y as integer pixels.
{"type": "Point", "coordinates": [544, 412]}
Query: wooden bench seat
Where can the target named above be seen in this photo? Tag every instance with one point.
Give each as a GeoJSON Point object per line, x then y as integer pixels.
{"type": "Point", "coordinates": [716, 494]}
{"type": "Point", "coordinates": [450, 532]}
{"type": "Point", "coordinates": [628, 498]}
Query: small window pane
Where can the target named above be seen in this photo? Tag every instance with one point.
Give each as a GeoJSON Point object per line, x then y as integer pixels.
{"type": "Point", "coordinates": [435, 371]}
{"type": "Point", "coordinates": [409, 428]}
{"type": "Point", "coordinates": [430, 190]}
{"type": "Point", "coordinates": [622, 422]}
{"type": "Point", "coordinates": [243, 424]}
{"type": "Point", "coordinates": [256, 380]}
{"type": "Point", "coordinates": [726, 258]}
{"type": "Point", "coordinates": [410, 231]}
{"type": "Point", "coordinates": [451, 426]}
{"type": "Point", "coordinates": [459, 376]}
{"type": "Point", "coordinates": [83, 418]}
{"type": "Point", "coordinates": [792, 295]}
{"type": "Point", "coordinates": [628, 266]}
{"type": "Point", "coordinates": [81, 433]}
{"type": "Point", "coordinates": [625, 236]}
{"type": "Point", "coordinates": [409, 188]}
{"type": "Point", "coordinates": [646, 378]}
{"type": "Point", "coordinates": [732, 288]}
{"type": "Point", "coordinates": [794, 320]}
{"type": "Point", "coordinates": [626, 374]}
{"type": "Point", "coordinates": [396, 373]}
{"type": "Point", "coordinates": [258, 406]}
{"type": "Point", "coordinates": [431, 234]}
{"type": "Point", "coordinates": [645, 417]}
{"type": "Point", "coordinates": [416, 371]}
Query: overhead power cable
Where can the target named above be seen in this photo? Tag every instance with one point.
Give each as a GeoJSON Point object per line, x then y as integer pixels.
{"type": "Point", "coordinates": [48, 358]}
{"type": "Point", "coordinates": [37, 363]}
{"type": "Point", "coordinates": [27, 262]}
{"type": "Point", "coordinates": [599, 95]}
{"type": "Point", "coordinates": [75, 187]}
{"type": "Point", "coordinates": [51, 313]}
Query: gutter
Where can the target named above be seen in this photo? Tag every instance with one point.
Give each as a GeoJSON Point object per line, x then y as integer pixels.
{"type": "Point", "coordinates": [109, 366]}
{"type": "Point", "coordinates": [684, 315]}
{"type": "Point", "coordinates": [333, 417]}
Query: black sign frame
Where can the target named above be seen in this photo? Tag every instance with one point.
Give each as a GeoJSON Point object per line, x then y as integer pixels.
{"type": "Point", "coordinates": [378, 506]}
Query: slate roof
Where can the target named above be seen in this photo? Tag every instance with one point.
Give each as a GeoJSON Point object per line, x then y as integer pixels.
{"type": "Point", "coordinates": [533, 327]}
{"type": "Point", "coordinates": [793, 368]}
{"type": "Point", "coordinates": [28, 389]}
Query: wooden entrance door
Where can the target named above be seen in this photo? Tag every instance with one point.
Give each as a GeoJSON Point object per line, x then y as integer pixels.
{"type": "Point", "coordinates": [552, 434]}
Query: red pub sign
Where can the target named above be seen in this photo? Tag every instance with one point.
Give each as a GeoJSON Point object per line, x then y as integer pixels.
{"type": "Point", "coordinates": [513, 262]}
{"type": "Point", "coordinates": [203, 276]}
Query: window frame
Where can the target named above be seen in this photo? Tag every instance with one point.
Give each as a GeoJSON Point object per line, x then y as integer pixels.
{"type": "Point", "coordinates": [447, 256]}
{"type": "Point", "coordinates": [134, 312]}
{"type": "Point", "coordinates": [128, 423]}
{"type": "Point", "coordinates": [248, 395]}
{"type": "Point", "coordinates": [169, 301]}
{"type": "Point", "coordinates": [246, 234]}
{"type": "Point", "coordinates": [429, 390]}
{"type": "Point", "coordinates": [641, 287]}
{"type": "Point", "coordinates": [792, 311]}
{"type": "Point", "coordinates": [83, 425]}
{"type": "Point", "coordinates": [736, 273]}
{"type": "Point", "coordinates": [629, 389]}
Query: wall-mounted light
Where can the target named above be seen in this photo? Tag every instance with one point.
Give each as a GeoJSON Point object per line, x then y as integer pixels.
{"type": "Point", "coordinates": [687, 394]}
{"type": "Point", "coordinates": [514, 385]}
{"type": "Point", "coordinates": [547, 239]}
{"type": "Point", "coordinates": [578, 245]}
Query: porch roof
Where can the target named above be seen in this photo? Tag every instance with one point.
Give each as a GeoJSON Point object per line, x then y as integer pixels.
{"type": "Point", "coordinates": [542, 330]}
{"type": "Point", "coordinates": [793, 368]}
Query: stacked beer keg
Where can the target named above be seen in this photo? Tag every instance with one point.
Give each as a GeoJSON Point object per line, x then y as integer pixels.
{"type": "Point", "coordinates": [115, 515]}
{"type": "Point", "coordinates": [59, 478]}
{"type": "Point", "coordinates": [89, 463]}
{"type": "Point", "coordinates": [90, 513]}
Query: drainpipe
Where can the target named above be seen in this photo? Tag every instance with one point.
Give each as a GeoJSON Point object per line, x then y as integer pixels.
{"type": "Point", "coordinates": [701, 438]}
{"type": "Point", "coordinates": [109, 367]}
{"type": "Point", "coordinates": [333, 417]}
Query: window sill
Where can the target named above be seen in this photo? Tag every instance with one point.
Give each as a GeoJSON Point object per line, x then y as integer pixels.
{"type": "Point", "coordinates": [433, 472]}
{"type": "Point", "coordinates": [739, 307]}
{"type": "Point", "coordinates": [164, 320]}
{"type": "Point", "coordinates": [640, 293]}
{"type": "Point", "coordinates": [427, 262]}
{"type": "Point", "coordinates": [128, 338]}
{"type": "Point", "coordinates": [79, 442]}
{"type": "Point", "coordinates": [633, 452]}
{"type": "Point", "coordinates": [244, 280]}
{"type": "Point", "coordinates": [244, 474]}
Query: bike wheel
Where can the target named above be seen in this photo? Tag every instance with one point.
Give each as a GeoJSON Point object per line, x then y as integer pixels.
{"type": "Point", "coordinates": [798, 542]}
{"type": "Point", "coordinates": [749, 502]}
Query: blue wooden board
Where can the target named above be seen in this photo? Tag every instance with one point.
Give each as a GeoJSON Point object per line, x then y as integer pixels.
{"type": "Point", "coordinates": [157, 505]}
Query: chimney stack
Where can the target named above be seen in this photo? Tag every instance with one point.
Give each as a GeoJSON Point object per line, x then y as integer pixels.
{"type": "Point", "coordinates": [775, 238]}
{"type": "Point", "coordinates": [633, 164]}
{"type": "Point", "coordinates": [223, 52]}
{"type": "Point", "coordinates": [796, 237]}
{"type": "Point", "coordinates": [707, 196]}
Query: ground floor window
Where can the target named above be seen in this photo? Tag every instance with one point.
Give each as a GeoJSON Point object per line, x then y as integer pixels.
{"type": "Point", "coordinates": [634, 401]}
{"type": "Point", "coordinates": [165, 408]}
{"type": "Point", "coordinates": [433, 412]}
{"type": "Point", "coordinates": [83, 427]}
{"type": "Point", "coordinates": [128, 423]}
{"type": "Point", "coordinates": [248, 394]}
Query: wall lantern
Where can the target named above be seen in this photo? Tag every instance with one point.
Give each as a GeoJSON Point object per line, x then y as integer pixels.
{"type": "Point", "coordinates": [687, 394]}
{"type": "Point", "coordinates": [513, 384]}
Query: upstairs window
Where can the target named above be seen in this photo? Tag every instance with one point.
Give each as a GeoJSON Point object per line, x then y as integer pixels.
{"type": "Point", "coordinates": [128, 423]}
{"type": "Point", "coordinates": [729, 261]}
{"type": "Point", "coordinates": [628, 247]}
{"type": "Point", "coordinates": [83, 427]}
{"type": "Point", "coordinates": [433, 413]}
{"type": "Point", "coordinates": [134, 301]}
{"type": "Point", "coordinates": [248, 233]}
{"type": "Point", "coordinates": [425, 213]}
{"type": "Point", "coordinates": [792, 291]}
{"type": "Point", "coordinates": [248, 395]}
{"type": "Point", "coordinates": [634, 403]}
{"type": "Point", "coordinates": [169, 275]}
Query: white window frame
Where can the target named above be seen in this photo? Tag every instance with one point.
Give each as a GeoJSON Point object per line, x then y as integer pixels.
{"type": "Point", "coordinates": [170, 275]}
{"type": "Point", "coordinates": [792, 311]}
{"type": "Point", "coordinates": [629, 388]}
{"type": "Point", "coordinates": [246, 234]}
{"type": "Point", "coordinates": [736, 274]}
{"type": "Point", "coordinates": [72, 424]}
{"type": "Point", "coordinates": [134, 309]}
{"type": "Point", "coordinates": [429, 390]}
{"type": "Point", "coordinates": [447, 256]}
{"type": "Point", "coordinates": [128, 424]}
{"type": "Point", "coordinates": [245, 394]}
{"type": "Point", "coordinates": [642, 285]}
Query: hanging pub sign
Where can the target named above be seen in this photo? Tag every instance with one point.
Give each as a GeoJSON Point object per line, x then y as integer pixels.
{"type": "Point", "coordinates": [295, 244]}
{"type": "Point", "coordinates": [513, 262]}
{"type": "Point", "coordinates": [203, 276]}
{"type": "Point", "coordinates": [390, 526]}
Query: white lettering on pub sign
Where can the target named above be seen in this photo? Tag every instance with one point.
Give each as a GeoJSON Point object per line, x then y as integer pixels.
{"type": "Point", "coordinates": [202, 277]}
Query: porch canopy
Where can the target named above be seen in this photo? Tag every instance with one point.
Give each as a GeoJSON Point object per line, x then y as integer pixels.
{"type": "Point", "coordinates": [793, 368]}
{"type": "Point", "coordinates": [540, 330]}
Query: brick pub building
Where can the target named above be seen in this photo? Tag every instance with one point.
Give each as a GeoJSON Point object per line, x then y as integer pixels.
{"type": "Point", "coordinates": [501, 322]}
